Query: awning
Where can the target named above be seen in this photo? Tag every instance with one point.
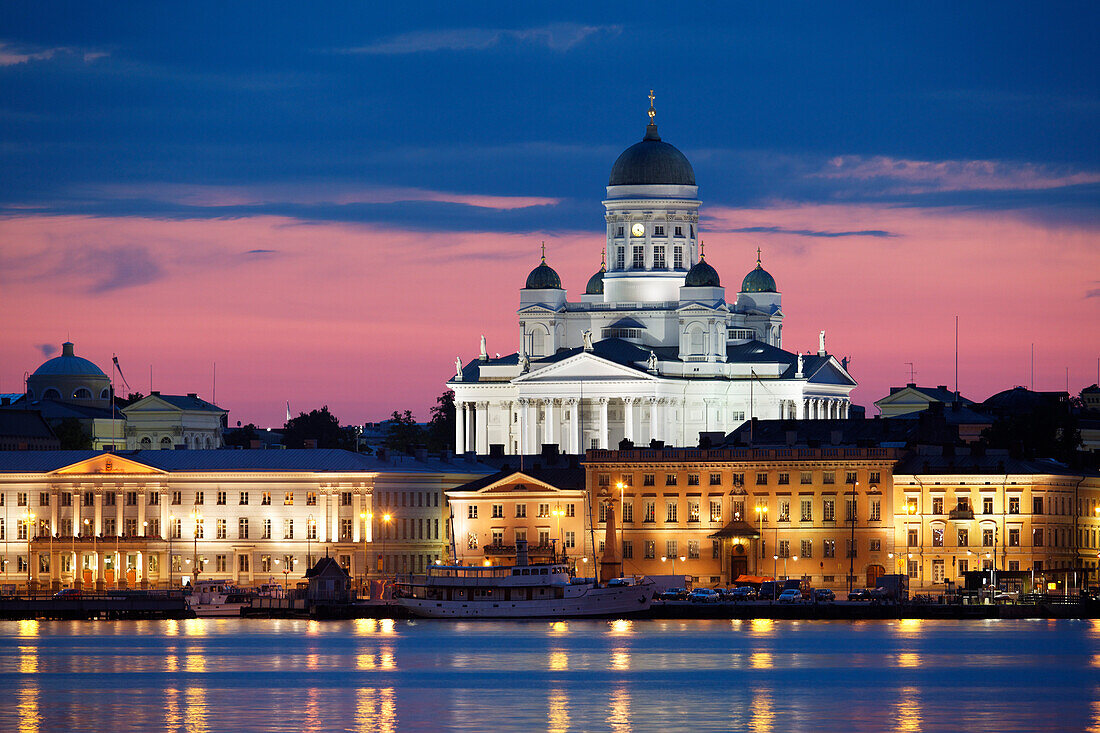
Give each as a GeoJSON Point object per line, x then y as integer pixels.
{"type": "Point", "coordinates": [736, 528]}
{"type": "Point", "coordinates": [753, 579]}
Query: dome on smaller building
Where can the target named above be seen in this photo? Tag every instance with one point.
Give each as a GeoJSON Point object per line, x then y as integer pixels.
{"type": "Point", "coordinates": [543, 277]}
{"type": "Point", "coordinates": [702, 275]}
{"type": "Point", "coordinates": [759, 280]}
{"type": "Point", "coordinates": [595, 283]}
{"type": "Point", "coordinates": [68, 364]}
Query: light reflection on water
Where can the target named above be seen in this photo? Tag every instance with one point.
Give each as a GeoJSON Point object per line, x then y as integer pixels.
{"type": "Point", "coordinates": [208, 675]}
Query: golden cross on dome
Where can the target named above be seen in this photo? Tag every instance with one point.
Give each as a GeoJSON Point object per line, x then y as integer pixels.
{"type": "Point", "coordinates": [702, 244]}
{"type": "Point", "coordinates": [758, 255]}
{"type": "Point", "coordinates": [544, 252]}
{"type": "Point", "coordinates": [652, 112]}
{"type": "Point", "coordinates": [603, 258]}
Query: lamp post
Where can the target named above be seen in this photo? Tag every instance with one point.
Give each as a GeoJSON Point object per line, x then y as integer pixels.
{"type": "Point", "coordinates": [95, 551]}
{"type": "Point", "coordinates": [366, 517]}
{"type": "Point", "coordinates": [195, 552]}
{"type": "Point", "coordinates": [761, 515]}
{"type": "Point", "coordinates": [910, 509]}
{"type": "Point", "coordinates": [775, 565]}
{"type": "Point", "coordinates": [28, 521]}
{"type": "Point", "coordinates": [310, 524]}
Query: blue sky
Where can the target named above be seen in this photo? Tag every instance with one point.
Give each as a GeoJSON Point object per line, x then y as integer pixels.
{"type": "Point", "coordinates": [455, 119]}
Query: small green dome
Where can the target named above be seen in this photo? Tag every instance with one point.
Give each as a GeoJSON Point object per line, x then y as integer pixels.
{"type": "Point", "coordinates": [759, 280]}
{"type": "Point", "coordinates": [702, 275]}
{"type": "Point", "coordinates": [543, 277]}
{"type": "Point", "coordinates": [595, 283]}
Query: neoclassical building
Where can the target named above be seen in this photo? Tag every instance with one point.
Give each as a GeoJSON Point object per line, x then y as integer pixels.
{"type": "Point", "coordinates": [653, 350]}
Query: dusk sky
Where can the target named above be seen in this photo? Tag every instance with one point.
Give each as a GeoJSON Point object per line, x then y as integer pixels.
{"type": "Point", "coordinates": [333, 202]}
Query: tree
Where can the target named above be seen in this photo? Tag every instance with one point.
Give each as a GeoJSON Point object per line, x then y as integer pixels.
{"type": "Point", "coordinates": [403, 433]}
{"type": "Point", "coordinates": [441, 426]}
{"type": "Point", "coordinates": [241, 437]}
{"type": "Point", "coordinates": [72, 435]}
{"type": "Point", "coordinates": [130, 399]}
{"type": "Point", "coordinates": [321, 426]}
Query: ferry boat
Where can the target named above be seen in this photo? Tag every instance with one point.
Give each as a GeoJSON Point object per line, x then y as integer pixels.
{"type": "Point", "coordinates": [212, 598]}
{"type": "Point", "coordinates": [541, 590]}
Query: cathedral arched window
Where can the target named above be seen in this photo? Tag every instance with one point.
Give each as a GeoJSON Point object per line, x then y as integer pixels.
{"type": "Point", "coordinates": [539, 337]}
{"type": "Point", "coordinates": [146, 443]}
{"type": "Point", "coordinates": [105, 394]}
{"type": "Point", "coordinates": [82, 394]}
{"type": "Point", "coordinates": [165, 442]}
{"type": "Point", "coordinates": [51, 394]}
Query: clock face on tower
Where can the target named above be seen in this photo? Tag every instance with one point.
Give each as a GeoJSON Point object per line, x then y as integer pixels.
{"type": "Point", "coordinates": [637, 230]}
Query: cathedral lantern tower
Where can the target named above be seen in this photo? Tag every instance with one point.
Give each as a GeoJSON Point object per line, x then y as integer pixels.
{"type": "Point", "coordinates": [652, 213]}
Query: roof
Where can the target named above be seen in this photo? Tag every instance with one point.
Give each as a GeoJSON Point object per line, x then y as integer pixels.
{"type": "Point", "coordinates": [955, 414]}
{"type": "Point", "coordinates": [735, 528]}
{"type": "Point", "coordinates": [989, 463]}
{"type": "Point", "coordinates": [758, 280]}
{"type": "Point", "coordinates": [190, 402]}
{"type": "Point", "coordinates": [326, 566]}
{"type": "Point", "coordinates": [560, 477]}
{"type": "Point", "coordinates": [68, 364]}
{"type": "Point", "coordinates": [651, 161]}
{"type": "Point", "coordinates": [56, 410]}
{"type": "Point", "coordinates": [876, 432]}
{"type": "Point", "coordinates": [297, 460]}
{"type": "Point", "coordinates": [24, 424]}
{"type": "Point", "coordinates": [939, 394]}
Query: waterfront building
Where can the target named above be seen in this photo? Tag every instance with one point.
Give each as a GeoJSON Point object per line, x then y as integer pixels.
{"type": "Point", "coordinates": [151, 518]}
{"type": "Point", "coordinates": [653, 350]}
{"type": "Point", "coordinates": [911, 398]}
{"type": "Point", "coordinates": [546, 507]}
{"type": "Point", "coordinates": [959, 511]}
{"type": "Point", "coordinates": [173, 421]}
{"type": "Point", "coordinates": [820, 513]}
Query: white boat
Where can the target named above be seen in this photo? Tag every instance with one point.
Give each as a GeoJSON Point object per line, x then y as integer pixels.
{"type": "Point", "coordinates": [543, 590]}
{"type": "Point", "coordinates": [211, 598]}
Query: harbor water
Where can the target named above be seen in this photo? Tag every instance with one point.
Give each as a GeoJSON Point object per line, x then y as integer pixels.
{"type": "Point", "coordinates": [207, 675]}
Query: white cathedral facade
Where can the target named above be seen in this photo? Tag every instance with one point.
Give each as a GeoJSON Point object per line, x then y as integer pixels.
{"type": "Point", "coordinates": [652, 351]}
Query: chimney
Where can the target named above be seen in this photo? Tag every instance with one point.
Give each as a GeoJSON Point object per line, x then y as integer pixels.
{"type": "Point", "coordinates": [193, 395]}
{"type": "Point", "coordinates": [155, 392]}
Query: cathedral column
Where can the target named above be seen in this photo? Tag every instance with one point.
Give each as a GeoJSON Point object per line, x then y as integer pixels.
{"type": "Point", "coordinates": [575, 426]}
{"type": "Point", "coordinates": [628, 418]}
{"type": "Point", "coordinates": [527, 426]}
{"type": "Point", "coordinates": [97, 521]}
{"type": "Point", "coordinates": [468, 445]}
{"type": "Point", "coordinates": [119, 500]}
{"type": "Point", "coordinates": [483, 428]}
{"type": "Point", "coordinates": [653, 402]}
{"type": "Point", "coordinates": [142, 527]}
{"type": "Point", "coordinates": [552, 425]}
{"type": "Point", "coordinates": [847, 408]}
{"type": "Point", "coordinates": [460, 427]}
{"type": "Point", "coordinates": [603, 423]}
{"type": "Point", "coordinates": [55, 499]}
{"type": "Point", "coordinates": [356, 509]}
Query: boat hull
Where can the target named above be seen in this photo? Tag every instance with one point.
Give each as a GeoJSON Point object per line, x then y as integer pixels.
{"type": "Point", "coordinates": [595, 603]}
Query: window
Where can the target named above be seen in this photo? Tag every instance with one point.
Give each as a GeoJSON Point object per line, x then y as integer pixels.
{"type": "Point", "coordinates": [66, 499]}
{"type": "Point", "coordinates": [620, 258]}
{"type": "Point", "coordinates": [807, 510]}
{"type": "Point", "coordinates": [937, 505]}
{"type": "Point", "coordinates": [937, 571]}
{"type": "Point", "coordinates": [177, 528]}
{"type": "Point", "coordinates": [311, 498]}
{"type": "Point", "coordinates": [784, 548]}
{"type": "Point", "coordinates": [1036, 505]}
{"type": "Point", "coordinates": [987, 505]}
{"type": "Point", "coordinates": [265, 498]}
{"type": "Point", "coordinates": [219, 529]}
{"type": "Point", "coordinates": [678, 257]}
{"type": "Point", "coordinates": [987, 538]}
{"type": "Point", "coordinates": [963, 503]}
{"type": "Point", "coordinates": [200, 497]}
{"type": "Point", "coordinates": [219, 563]}
{"type": "Point", "coordinates": [659, 257]}
{"type": "Point", "coordinates": [570, 540]}
{"type": "Point", "coordinates": [131, 498]}
{"type": "Point", "coordinates": [658, 231]}
{"type": "Point", "coordinates": [937, 537]}
{"type": "Point", "coordinates": [670, 479]}
{"type": "Point", "coordinates": [849, 548]}
{"type": "Point", "coordinates": [154, 498]}
{"type": "Point", "coordinates": [716, 479]}
{"type": "Point", "coordinates": [153, 529]}
{"type": "Point", "coordinates": [670, 511]}
{"type": "Point", "coordinates": [628, 511]}
{"type": "Point", "coordinates": [650, 549]}
{"type": "Point", "coordinates": [761, 479]}
{"type": "Point", "coordinates": [784, 511]}
{"type": "Point", "coordinates": [828, 510]}
{"type": "Point", "coordinates": [649, 479]}
{"type": "Point", "coordinates": [288, 498]}
{"type": "Point", "coordinates": [242, 528]}
{"type": "Point", "coordinates": [806, 478]}
{"type": "Point", "coordinates": [345, 498]}
{"type": "Point", "coordinates": [109, 498]}
{"type": "Point", "coordinates": [876, 545]}
{"type": "Point", "coordinates": [521, 510]}
{"type": "Point", "coordinates": [471, 511]}
{"type": "Point", "coordinates": [200, 528]}
{"type": "Point", "coordinates": [638, 262]}
{"type": "Point", "coordinates": [693, 549]}
{"type": "Point", "coordinates": [693, 510]}
{"type": "Point", "coordinates": [679, 231]}
{"type": "Point", "coordinates": [602, 511]}
{"type": "Point", "coordinates": [628, 549]}
{"type": "Point", "coordinates": [498, 511]}
{"type": "Point", "coordinates": [716, 549]}
{"type": "Point", "coordinates": [716, 510]}
{"type": "Point", "coordinates": [650, 511]}
{"type": "Point", "coordinates": [221, 498]}
{"type": "Point", "coordinates": [242, 563]}
{"type": "Point", "coordinates": [850, 478]}
{"type": "Point", "coordinates": [964, 566]}
{"type": "Point", "coordinates": [829, 477]}
{"type": "Point", "coordinates": [619, 232]}
{"type": "Point", "coordinates": [876, 510]}
{"type": "Point", "coordinates": [604, 479]}
{"type": "Point", "coordinates": [265, 563]}
{"type": "Point", "coordinates": [670, 548]}
{"type": "Point", "coordinates": [807, 549]}
{"type": "Point", "coordinates": [964, 537]}
{"type": "Point", "coordinates": [875, 478]}
{"type": "Point", "coordinates": [693, 479]}
{"type": "Point", "coordinates": [784, 479]}
{"type": "Point", "coordinates": [911, 538]}
{"type": "Point", "coordinates": [346, 529]}
{"type": "Point", "coordinates": [1037, 537]}
{"type": "Point", "coordinates": [1013, 537]}
{"type": "Point", "coordinates": [544, 510]}
{"type": "Point", "coordinates": [1013, 505]}
{"type": "Point", "coordinates": [88, 498]}
{"type": "Point", "coordinates": [267, 529]}
{"type": "Point", "coordinates": [849, 510]}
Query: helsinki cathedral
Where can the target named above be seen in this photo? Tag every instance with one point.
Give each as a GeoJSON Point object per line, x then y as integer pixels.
{"type": "Point", "coordinates": [653, 351]}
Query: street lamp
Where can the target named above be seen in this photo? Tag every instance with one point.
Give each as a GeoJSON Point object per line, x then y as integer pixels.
{"type": "Point", "coordinates": [366, 517]}
{"type": "Point", "coordinates": [785, 575]}
{"type": "Point", "coordinates": [195, 553]}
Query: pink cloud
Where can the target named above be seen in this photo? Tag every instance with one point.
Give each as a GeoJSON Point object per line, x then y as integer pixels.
{"type": "Point", "coordinates": [953, 175]}
{"type": "Point", "coordinates": [369, 319]}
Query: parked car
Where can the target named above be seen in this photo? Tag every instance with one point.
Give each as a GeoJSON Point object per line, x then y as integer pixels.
{"type": "Point", "coordinates": [674, 594]}
{"type": "Point", "coordinates": [859, 594]}
{"type": "Point", "coordinates": [769, 589]}
{"type": "Point", "coordinates": [703, 595]}
{"type": "Point", "coordinates": [791, 595]}
{"type": "Point", "coordinates": [742, 593]}
{"type": "Point", "coordinates": [67, 594]}
{"type": "Point", "coordinates": [823, 595]}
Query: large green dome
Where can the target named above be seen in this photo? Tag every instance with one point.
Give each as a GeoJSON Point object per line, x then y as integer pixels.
{"type": "Point", "coordinates": [702, 275]}
{"type": "Point", "coordinates": [759, 280]}
{"type": "Point", "coordinates": [543, 277]}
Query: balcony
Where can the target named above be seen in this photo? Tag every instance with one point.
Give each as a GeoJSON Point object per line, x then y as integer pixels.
{"type": "Point", "coordinates": [500, 549]}
{"type": "Point", "coordinates": [960, 514]}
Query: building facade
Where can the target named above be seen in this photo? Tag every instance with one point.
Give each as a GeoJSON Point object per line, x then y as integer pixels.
{"type": "Point", "coordinates": [152, 518]}
{"type": "Point", "coordinates": [652, 351]}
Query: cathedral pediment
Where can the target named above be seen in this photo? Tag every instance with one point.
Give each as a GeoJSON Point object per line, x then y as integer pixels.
{"type": "Point", "coordinates": [587, 367]}
{"type": "Point", "coordinates": [831, 372]}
